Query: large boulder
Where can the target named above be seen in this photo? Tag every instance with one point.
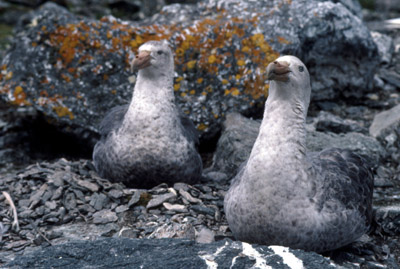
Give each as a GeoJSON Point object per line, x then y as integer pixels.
{"type": "Point", "coordinates": [74, 69]}
{"type": "Point", "coordinates": [168, 253]}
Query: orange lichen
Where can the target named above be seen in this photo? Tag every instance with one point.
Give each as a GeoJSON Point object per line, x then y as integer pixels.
{"type": "Point", "coordinates": [66, 77]}
{"type": "Point", "coordinates": [202, 127]}
{"type": "Point", "coordinates": [63, 111]}
{"type": "Point", "coordinates": [282, 40]}
{"type": "Point", "coordinates": [20, 96]}
{"type": "Point", "coordinates": [9, 75]}
{"type": "Point", "coordinates": [191, 64]}
{"type": "Point", "coordinates": [177, 86]}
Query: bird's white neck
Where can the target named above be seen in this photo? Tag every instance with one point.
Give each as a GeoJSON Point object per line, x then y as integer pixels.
{"type": "Point", "coordinates": [281, 142]}
{"type": "Point", "coordinates": [152, 100]}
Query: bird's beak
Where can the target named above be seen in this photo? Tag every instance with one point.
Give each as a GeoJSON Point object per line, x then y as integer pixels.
{"type": "Point", "coordinates": [142, 60]}
{"type": "Point", "coordinates": [278, 71]}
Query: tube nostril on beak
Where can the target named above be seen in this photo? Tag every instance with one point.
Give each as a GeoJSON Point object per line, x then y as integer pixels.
{"type": "Point", "coordinates": [275, 62]}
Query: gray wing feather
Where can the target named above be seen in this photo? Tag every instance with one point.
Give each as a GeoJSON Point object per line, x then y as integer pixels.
{"type": "Point", "coordinates": [189, 130]}
{"type": "Point", "coordinates": [113, 119]}
{"type": "Point", "coordinates": [345, 177]}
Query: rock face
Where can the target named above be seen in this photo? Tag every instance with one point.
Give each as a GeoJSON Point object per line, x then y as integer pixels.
{"type": "Point", "coordinates": [385, 121]}
{"type": "Point", "coordinates": [74, 69]}
{"type": "Point", "coordinates": [170, 253]}
{"type": "Point", "coordinates": [240, 133]}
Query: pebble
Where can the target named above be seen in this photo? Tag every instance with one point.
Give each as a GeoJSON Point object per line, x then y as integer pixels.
{"type": "Point", "coordinates": [104, 216]}
{"type": "Point", "coordinates": [159, 199]}
{"type": "Point", "coordinates": [175, 207]}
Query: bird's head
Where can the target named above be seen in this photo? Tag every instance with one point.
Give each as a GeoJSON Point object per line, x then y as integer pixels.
{"type": "Point", "coordinates": [287, 68]}
{"type": "Point", "coordinates": [155, 57]}
{"type": "Point", "coordinates": [289, 78]}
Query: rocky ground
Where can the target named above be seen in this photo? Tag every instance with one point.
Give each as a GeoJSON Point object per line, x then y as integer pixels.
{"type": "Point", "coordinates": [59, 197]}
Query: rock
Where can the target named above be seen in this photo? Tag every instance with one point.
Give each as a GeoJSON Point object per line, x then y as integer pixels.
{"type": "Point", "coordinates": [235, 144]}
{"type": "Point", "coordinates": [362, 144]}
{"type": "Point", "coordinates": [388, 218]}
{"type": "Point", "coordinates": [159, 199]}
{"type": "Point", "coordinates": [204, 236]}
{"type": "Point", "coordinates": [385, 121]}
{"type": "Point", "coordinates": [104, 216]}
{"type": "Point", "coordinates": [175, 207]}
{"type": "Point", "coordinates": [137, 253]}
{"type": "Point", "coordinates": [203, 210]}
{"type": "Point", "coordinates": [81, 66]}
{"type": "Point", "coordinates": [391, 77]}
{"type": "Point", "coordinates": [240, 133]}
{"type": "Point", "coordinates": [189, 197]}
{"type": "Point", "coordinates": [385, 47]}
{"type": "Point", "coordinates": [352, 5]}
{"type": "Point", "coordinates": [327, 122]}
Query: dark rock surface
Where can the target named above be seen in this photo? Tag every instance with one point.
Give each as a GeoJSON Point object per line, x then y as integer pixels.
{"type": "Point", "coordinates": [170, 253]}
{"type": "Point", "coordinates": [385, 121]}
{"type": "Point", "coordinates": [81, 66]}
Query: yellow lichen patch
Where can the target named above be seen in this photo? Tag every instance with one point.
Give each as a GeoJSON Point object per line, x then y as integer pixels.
{"type": "Point", "coordinates": [235, 92]}
{"type": "Point", "coordinates": [192, 92]}
{"type": "Point", "coordinates": [212, 59]}
{"type": "Point", "coordinates": [225, 81]}
{"type": "Point", "coordinates": [9, 75]}
{"type": "Point", "coordinates": [202, 127]}
{"type": "Point", "coordinates": [191, 64]}
{"type": "Point", "coordinates": [179, 79]}
{"type": "Point", "coordinates": [177, 86]}
{"type": "Point", "coordinates": [19, 96]}
{"type": "Point", "coordinates": [63, 111]}
{"type": "Point", "coordinates": [241, 62]}
{"type": "Point", "coordinates": [246, 49]}
{"type": "Point", "coordinates": [183, 94]}
{"type": "Point", "coordinates": [114, 92]}
{"type": "Point", "coordinates": [200, 80]}
{"type": "Point", "coordinates": [179, 52]}
{"type": "Point", "coordinates": [204, 93]}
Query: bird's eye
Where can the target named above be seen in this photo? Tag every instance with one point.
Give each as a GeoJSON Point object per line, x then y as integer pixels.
{"type": "Point", "coordinates": [159, 52]}
{"type": "Point", "coordinates": [301, 68]}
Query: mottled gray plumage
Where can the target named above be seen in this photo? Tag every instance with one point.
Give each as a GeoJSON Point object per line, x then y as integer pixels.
{"type": "Point", "coordinates": [285, 196]}
{"type": "Point", "coordinates": [149, 141]}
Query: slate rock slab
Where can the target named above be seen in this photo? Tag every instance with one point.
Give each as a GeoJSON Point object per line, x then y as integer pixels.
{"type": "Point", "coordinates": [385, 121]}
{"type": "Point", "coordinates": [74, 69]}
{"type": "Point", "coordinates": [168, 253]}
{"type": "Point", "coordinates": [240, 133]}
